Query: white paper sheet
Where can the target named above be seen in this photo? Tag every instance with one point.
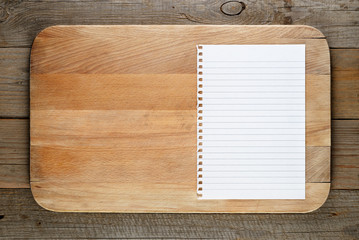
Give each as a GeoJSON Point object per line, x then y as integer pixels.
{"type": "Point", "coordinates": [251, 121]}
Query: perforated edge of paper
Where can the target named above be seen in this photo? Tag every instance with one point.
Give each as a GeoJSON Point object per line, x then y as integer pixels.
{"type": "Point", "coordinates": [199, 120]}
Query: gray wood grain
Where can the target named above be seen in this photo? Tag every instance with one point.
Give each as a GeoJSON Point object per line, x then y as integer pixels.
{"type": "Point", "coordinates": [14, 175]}
{"type": "Point", "coordinates": [345, 83]}
{"type": "Point", "coordinates": [22, 218]}
{"type": "Point", "coordinates": [14, 153]}
{"type": "Point", "coordinates": [20, 21]}
{"type": "Point", "coordinates": [345, 154]}
{"type": "Point", "coordinates": [14, 141]}
{"type": "Point", "coordinates": [14, 82]}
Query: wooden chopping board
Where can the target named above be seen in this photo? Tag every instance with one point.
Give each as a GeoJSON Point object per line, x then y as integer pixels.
{"type": "Point", "coordinates": [113, 117]}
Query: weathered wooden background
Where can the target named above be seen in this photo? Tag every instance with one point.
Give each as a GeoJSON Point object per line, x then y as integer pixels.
{"type": "Point", "coordinates": [21, 217]}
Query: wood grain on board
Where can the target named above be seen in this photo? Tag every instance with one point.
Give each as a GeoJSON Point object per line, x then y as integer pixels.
{"type": "Point", "coordinates": [113, 117]}
{"type": "Point", "coordinates": [14, 83]}
{"type": "Point", "coordinates": [344, 171]}
{"type": "Point", "coordinates": [22, 20]}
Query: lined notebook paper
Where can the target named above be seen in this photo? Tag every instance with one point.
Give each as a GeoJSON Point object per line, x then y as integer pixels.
{"type": "Point", "coordinates": [251, 121]}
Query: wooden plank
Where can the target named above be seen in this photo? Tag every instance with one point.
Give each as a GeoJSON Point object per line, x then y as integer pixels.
{"type": "Point", "coordinates": [337, 219]}
{"type": "Point", "coordinates": [345, 83]}
{"type": "Point", "coordinates": [132, 91]}
{"type": "Point", "coordinates": [14, 93]}
{"type": "Point", "coordinates": [22, 20]}
{"type": "Point", "coordinates": [159, 49]}
{"type": "Point", "coordinates": [135, 146]}
{"type": "Point", "coordinates": [146, 152]}
{"type": "Point", "coordinates": [317, 169]}
{"type": "Point", "coordinates": [317, 110]}
{"type": "Point", "coordinates": [14, 141]}
{"type": "Point", "coordinates": [345, 154]}
{"type": "Point", "coordinates": [127, 197]}
{"type": "Point", "coordinates": [15, 172]}
{"type": "Point", "coordinates": [14, 153]}
{"type": "Point", "coordinates": [317, 164]}
{"type": "Point", "coordinates": [14, 82]}
{"type": "Point", "coordinates": [343, 179]}
{"type": "Point", "coordinates": [153, 130]}
{"type": "Point", "coordinates": [121, 92]}
{"type": "Point", "coordinates": [14, 176]}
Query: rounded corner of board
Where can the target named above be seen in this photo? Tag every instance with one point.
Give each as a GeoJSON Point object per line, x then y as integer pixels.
{"type": "Point", "coordinates": [42, 32]}
{"type": "Point", "coordinates": [319, 198]}
{"type": "Point", "coordinates": [36, 191]}
{"type": "Point", "coordinates": [311, 29]}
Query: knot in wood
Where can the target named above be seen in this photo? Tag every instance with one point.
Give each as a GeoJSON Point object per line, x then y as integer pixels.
{"type": "Point", "coordinates": [232, 8]}
{"type": "Point", "coordinates": [4, 14]}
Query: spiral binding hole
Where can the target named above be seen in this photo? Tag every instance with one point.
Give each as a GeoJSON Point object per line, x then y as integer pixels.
{"type": "Point", "coordinates": [199, 120]}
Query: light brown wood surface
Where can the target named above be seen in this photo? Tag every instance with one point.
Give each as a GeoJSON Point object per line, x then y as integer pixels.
{"type": "Point", "coordinates": [14, 149]}
{"type": "Point", "coordinates": [113, 117]}
{"type": "Point", "coordinates": [14, 103]}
